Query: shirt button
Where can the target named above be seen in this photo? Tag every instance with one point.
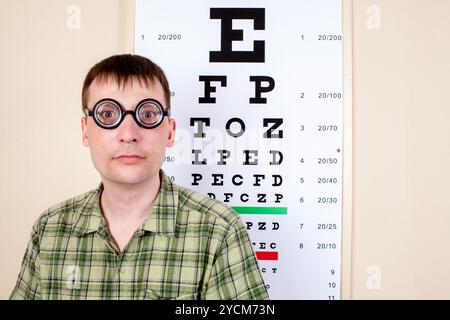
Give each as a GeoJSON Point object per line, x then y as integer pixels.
{"type": "Point", "coordinates": [121, 271]}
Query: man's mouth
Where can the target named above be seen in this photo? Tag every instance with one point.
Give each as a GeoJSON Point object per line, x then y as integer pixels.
{"type": "Point", "coordinates": [129, 158]}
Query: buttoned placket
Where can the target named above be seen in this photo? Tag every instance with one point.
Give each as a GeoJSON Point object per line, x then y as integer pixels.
{"type": "Point", "coordinates": [120, 257]}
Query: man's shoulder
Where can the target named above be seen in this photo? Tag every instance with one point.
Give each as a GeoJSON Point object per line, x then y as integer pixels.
{"type": "Point", "coordinates": [191, 200]}
{"type": "Point", "coordinates": [66, 211]}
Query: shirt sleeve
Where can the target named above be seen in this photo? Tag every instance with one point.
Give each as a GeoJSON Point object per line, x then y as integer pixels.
{"type": "Point", "coordinates": [28, 283]}
{"type": "Point", "coordinates": [235, 273]}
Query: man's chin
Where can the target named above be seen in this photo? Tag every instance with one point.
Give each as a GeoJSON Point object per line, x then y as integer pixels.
{"type": "Point", "coordinates": [128, 180]}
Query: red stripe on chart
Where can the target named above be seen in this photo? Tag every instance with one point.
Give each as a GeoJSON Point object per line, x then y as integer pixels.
{"type": "Point", "coordinates": [267, 255]}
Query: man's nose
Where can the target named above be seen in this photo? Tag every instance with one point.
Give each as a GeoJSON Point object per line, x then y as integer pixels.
{"type": "Point", "coordinates": [128, 129]}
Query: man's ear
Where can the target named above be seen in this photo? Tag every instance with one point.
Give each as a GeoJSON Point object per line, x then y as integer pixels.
{"type": "Point", "coordinates": [172, 129]}
{"type": "Point", "coordinates": [84, 137]}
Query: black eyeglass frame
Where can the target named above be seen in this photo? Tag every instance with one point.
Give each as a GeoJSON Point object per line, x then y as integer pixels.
{"type": "Point", "coordinates": [93, 113]}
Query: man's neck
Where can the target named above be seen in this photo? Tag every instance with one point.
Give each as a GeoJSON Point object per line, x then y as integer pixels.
{"type": "Point", "coordinates": [127, 203]}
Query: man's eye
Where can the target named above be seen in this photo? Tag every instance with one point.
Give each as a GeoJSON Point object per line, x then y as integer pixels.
{"type": "Point", "coordinates": [107, 114]}
{"type": "Point", "coordinates": [149, 114]}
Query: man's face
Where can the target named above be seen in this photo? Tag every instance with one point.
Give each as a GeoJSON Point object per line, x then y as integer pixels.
{"type": "Point", "coordinates": [109, 147]}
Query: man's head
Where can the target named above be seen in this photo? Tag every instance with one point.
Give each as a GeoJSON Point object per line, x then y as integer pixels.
{"type": "Point", "coordinates": [128, 80]}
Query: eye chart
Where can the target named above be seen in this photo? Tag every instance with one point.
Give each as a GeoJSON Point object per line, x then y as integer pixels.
{"type": "Point", "coordinates": [257, 97]}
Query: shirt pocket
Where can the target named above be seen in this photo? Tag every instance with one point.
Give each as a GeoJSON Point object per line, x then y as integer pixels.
{"type": "Point", "coordinates": [151, 294]}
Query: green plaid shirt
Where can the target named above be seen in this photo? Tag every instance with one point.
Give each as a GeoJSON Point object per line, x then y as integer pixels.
{"type": "Point", "coordinates": [189, 247]}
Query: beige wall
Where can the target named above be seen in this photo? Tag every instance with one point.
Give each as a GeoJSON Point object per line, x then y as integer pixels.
{"type": "Point", "coordinates": [401, 149]}
{"type": "Point", "coordinates": [401, 113]}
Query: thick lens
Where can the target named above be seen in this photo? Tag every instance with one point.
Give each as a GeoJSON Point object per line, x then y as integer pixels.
{"type": "Point", "coordinates": [108, 113]}
{"type": "Point", "coordinates": [150, 113]}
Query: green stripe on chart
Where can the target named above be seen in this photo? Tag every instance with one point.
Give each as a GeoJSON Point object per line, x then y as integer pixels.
{"type": "Point", "coordinates": [261, 210]}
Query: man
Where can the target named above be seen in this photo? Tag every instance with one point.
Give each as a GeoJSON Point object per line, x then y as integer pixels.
{"type": "Point", "coordinates": [138, 235]}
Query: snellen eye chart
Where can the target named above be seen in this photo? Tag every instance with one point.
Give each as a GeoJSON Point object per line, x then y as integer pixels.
{"type": "Point", "coordinates": [256, 89]}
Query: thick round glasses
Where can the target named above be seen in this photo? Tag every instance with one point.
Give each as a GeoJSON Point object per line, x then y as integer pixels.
{"type": "Point", "coordinates": [109, 114]}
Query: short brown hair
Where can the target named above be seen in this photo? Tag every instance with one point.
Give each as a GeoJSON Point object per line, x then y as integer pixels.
{"type": "Point", "coordinates": [124, 68]}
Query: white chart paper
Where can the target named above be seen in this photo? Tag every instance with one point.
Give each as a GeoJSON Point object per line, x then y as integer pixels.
{"type": "Point", "coordinates": [257, 97]}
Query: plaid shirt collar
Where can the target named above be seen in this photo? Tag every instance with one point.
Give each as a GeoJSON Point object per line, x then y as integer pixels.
{"type": "Point", "coordinates": [161, 220]}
